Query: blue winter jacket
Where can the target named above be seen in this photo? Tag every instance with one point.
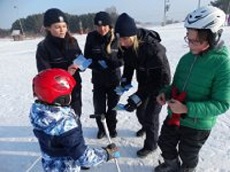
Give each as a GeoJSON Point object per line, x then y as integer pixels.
{"type": "Point", "coordinates": [61, 141]}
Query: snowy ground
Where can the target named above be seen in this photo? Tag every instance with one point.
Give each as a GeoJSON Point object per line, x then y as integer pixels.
{"type": "Point", "coordinates": [19, 149]}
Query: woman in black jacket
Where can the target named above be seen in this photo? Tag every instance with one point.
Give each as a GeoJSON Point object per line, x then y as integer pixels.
{"type": "Point", "coordinates": [58, 50]}
{"type": "Point", "coordinates": [101, 47]}
{"type": "Point", "coordinates": [143, 53]}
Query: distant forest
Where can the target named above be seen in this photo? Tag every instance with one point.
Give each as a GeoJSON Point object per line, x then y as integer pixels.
{"type": "Point", "coordinates": [32, 25]}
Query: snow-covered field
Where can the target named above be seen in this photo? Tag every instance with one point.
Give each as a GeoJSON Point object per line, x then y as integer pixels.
{"type": "Point", "coordinates": [19, 149]}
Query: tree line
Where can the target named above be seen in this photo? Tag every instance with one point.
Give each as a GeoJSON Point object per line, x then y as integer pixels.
{"type": "Point", "coordinates": [32, 25]}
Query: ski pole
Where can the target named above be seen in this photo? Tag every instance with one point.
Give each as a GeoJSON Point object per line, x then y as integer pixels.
{"type": "Point", "coordinates": [103, 120]}
{"type": "Point", "coordinates": [34, 163]}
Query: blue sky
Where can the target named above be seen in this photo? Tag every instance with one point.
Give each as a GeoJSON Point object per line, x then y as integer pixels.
{"type": "Point", "coordinates": [141, 10]}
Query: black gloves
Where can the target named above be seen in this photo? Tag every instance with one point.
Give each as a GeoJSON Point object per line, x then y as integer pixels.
{"type": "Point", "coordinates": [134, 101]}
{"type": "Point", "coordinates": [112, 151]}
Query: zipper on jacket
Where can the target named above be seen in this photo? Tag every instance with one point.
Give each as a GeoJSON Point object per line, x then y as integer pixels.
{"type": "Point", "coordinates": [186, 81]}
{"type": "Point", "coordinates": [190, 71]}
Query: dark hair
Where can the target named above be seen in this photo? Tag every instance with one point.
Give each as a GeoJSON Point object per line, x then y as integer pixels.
{"type": "Point", "coordinates": [63, 100]}
{"type": "Point", "coordinates": [71, 39]}
{"type": "Point", "coordinates": [208, 35]}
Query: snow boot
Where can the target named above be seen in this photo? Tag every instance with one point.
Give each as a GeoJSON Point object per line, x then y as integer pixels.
{"type": "Point", "coordinates": [113, 134]}
{"type": "Point", "coordinates": [85, 168]}
{"type": "Point", "coordinates": [100, 134]}
{"type": "Point", "coordinates": [168, 166]}
{"type": "Point", "coordinates": [187, 169]}
{"type": "Point", "coordinates": [142, 153]}
{"type": "Point", "coordinates": [140, 132]}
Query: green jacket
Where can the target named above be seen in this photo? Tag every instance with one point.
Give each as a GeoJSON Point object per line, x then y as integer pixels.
{"type": "Point", "coordinates": [206, 80]}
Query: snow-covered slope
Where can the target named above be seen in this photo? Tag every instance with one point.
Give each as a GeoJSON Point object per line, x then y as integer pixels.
{"type": "Point", "coordinates": [19, 149]}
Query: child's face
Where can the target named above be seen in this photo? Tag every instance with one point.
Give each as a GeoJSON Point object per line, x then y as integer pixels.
{"type": "Point", "coordinates": [58, 29]}
{"type": "Point", "coordinates": [196, 46]}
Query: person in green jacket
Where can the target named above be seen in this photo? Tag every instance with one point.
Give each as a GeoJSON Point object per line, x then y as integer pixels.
{"type": "Point", "coordinates": [199, 92]}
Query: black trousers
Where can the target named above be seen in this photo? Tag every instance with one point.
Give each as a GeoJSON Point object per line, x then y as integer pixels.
{"type": "Point", "coordinates": [182, 141]}
{"type": "Point", "coordinates": [76, 102]}
{"type": "Point", "coordinates": [104, 100]}
{"type": "Point", "coordinates": [148, 117]}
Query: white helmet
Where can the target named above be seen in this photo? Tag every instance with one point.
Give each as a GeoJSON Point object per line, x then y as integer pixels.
{"type": "Point", "coordinates": [208, 17]}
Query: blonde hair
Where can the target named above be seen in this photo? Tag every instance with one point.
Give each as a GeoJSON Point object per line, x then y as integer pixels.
{"type": "Point", "coordinates": [135, 42]}
{"type": "Point", "coordinates": [108, 47]}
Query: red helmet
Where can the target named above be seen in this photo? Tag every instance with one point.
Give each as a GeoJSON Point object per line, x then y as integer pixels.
{"type": "Point", "coordinates": [50, 84]}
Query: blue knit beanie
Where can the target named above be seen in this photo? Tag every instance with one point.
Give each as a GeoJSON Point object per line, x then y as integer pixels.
{"type": "Point", "coordinates": [125, 26]}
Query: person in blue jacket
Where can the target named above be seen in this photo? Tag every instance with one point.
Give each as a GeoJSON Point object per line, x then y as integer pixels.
{"type": "Point", "coordinates": [58, 128]}
{"type": "Point", "coordinates": [102, 47]}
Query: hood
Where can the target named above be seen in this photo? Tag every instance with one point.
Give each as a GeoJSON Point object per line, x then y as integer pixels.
{"type": "Point", "coordinates": [148, 35]}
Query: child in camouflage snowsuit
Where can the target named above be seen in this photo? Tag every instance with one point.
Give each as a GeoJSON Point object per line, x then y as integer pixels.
{"type": "Point", "coordinates": [58, 128]}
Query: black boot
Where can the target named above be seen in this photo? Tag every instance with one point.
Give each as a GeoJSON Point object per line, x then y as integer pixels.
{"type": "Point", "coordinates": [113, 134]}
{"type": "Point", "coordinates": [184, 168]}
{"type": "Point", "coordinates": [85, 168]}
{"type": "Point", "coordinates": [100, 134]}
{"type": "Point", "coordinates": [168, 166]}
{"type": "Point", "coordinates": [140, 132]}
{"type": "Point", "coordinates": [142, 153]}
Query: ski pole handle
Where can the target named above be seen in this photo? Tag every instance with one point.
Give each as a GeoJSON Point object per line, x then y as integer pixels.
{"type": "Point", "coordinates": [103, 120]}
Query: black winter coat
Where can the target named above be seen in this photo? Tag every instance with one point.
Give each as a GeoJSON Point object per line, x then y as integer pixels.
{"type": "Point", "coordinates": [55, 52]}
{"type": "Point", "coordinates": [150, 62]}
{"type": "Point", "coordinates": [95, 48]}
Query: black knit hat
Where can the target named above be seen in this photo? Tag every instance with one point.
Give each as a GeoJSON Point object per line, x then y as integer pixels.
{"type": "Point", "coordinates": [102, 18]}
{"type": "Point", "coordinates": [125, 26]}
{"type": "Point", "coordinates": [52, 16]}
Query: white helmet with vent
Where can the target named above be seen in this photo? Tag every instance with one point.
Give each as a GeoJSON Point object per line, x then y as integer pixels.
{"type": "Point", "coordinates": [208, 17]}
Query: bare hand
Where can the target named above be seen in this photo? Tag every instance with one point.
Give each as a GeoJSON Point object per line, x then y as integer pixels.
{"type": "Point", "coordinates": [161, 99]}
{"type": "Point", "coordinates": [177, 107]}
{"type": "Point", "coordinates": [72, 69]}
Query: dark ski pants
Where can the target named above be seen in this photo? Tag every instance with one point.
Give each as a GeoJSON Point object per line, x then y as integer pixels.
{"type": "Point", "coordinates": [104, 100]}
{"type": "Point", "coordinates": [189, 142]}
{"type": "Point", "coordinates": [76, 102]}
{"type": "Point", "coordinates": [148, 117]}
